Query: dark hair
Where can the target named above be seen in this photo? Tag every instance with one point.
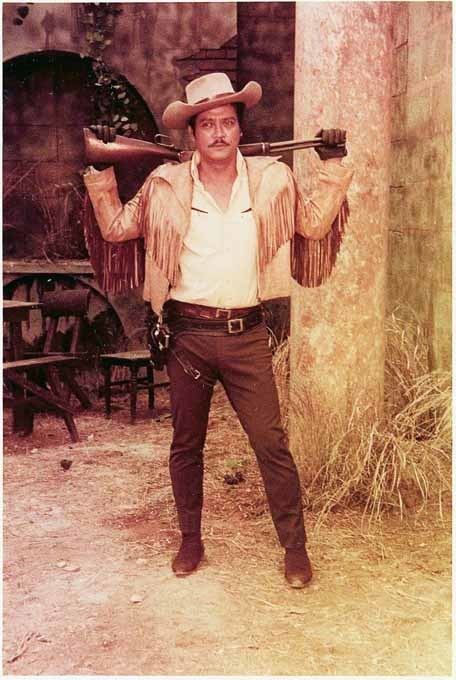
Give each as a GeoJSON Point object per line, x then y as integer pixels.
{"type": "Point", "coordinates": [239, 106]}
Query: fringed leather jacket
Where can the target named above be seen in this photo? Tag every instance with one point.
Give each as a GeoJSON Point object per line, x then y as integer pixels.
{"type": "Point", "coordinates": [142, 240]}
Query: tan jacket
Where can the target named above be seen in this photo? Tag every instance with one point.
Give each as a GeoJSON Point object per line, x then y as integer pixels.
{"type": "Point", "coordinates": [160, 214]}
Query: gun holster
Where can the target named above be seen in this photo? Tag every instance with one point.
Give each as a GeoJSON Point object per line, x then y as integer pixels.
{"type": "Point", "coordinates": [158, 340]}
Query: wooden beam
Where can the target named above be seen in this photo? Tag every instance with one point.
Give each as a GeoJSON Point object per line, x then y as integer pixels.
{"type": "Point", "coordinates": [44, 394]}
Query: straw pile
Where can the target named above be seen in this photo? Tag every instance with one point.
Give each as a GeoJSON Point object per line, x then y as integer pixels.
{"type": "Point", "coordinates": [403, 459]}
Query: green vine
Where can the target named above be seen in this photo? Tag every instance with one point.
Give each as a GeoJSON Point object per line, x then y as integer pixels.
{"type": "Point", "coordinates": [111, 100]}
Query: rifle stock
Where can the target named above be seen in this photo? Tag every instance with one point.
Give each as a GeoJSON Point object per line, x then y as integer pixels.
{"type": "Point", "coordinates": [128, 148]}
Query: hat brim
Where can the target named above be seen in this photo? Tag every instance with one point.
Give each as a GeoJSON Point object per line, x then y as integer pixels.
{"type": "Point", "coordinates": [177, 114]}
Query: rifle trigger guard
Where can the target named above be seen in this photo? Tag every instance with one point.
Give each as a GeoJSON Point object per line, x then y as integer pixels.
{"type": "Point", "coordinates": [169, 144]}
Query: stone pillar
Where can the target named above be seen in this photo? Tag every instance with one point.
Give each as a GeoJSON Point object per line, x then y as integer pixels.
{"type": "Point", "coordinates": [342, 79]}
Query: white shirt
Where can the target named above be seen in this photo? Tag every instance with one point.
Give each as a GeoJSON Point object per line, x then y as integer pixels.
{"type": "Point", "coordinates": [218, 262]}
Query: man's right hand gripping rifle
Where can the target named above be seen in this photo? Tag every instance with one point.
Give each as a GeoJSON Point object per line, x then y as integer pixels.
{"type": "Point", "coordinates": [106, 134]}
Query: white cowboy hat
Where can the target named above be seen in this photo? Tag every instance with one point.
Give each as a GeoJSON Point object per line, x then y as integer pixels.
{"type": "Point", "coordinates": [208, 92]}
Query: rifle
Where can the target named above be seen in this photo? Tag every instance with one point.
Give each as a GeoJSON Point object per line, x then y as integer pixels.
{"type": "Point", "coordinates": [129, 148]}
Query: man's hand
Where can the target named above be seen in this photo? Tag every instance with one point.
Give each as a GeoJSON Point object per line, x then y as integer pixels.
{"type": "Point", "coordinates": [333, 144]}
{"type": "Point", "coordinates": [106, 134]}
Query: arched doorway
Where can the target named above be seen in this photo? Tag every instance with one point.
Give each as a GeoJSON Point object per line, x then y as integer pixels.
{"type": "Point", "coordinates": [48, 99]}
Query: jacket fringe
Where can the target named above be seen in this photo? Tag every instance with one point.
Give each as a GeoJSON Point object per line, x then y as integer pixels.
{"type": "Point", "coordinates": [164, 220]}
{"type": "Point", "coordinates": [118, 267]}
{"type": "Point", "coordinates": [163, 232]}
{"type": "Point", "coordinates": [276, 224]}
{"type": "Point", "coordinates": [312, 261]}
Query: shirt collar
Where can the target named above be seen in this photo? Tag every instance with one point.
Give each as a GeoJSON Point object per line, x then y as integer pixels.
{"type": "Point", "coordinates": [241, 166]}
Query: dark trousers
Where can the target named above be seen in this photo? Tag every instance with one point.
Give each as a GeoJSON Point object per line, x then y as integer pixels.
{"type": "Point", "coordinates": [243, 365]}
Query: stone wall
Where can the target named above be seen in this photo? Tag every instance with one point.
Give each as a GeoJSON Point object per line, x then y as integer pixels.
{"type": "Point", "coordinates": [419, 258]}
{"type": "Point", "coordinates": [47, 101]}
{"type": "Point", "coordinates": [211, 59]}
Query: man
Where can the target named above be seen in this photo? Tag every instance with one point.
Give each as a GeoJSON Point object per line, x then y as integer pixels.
{"type": "Point", "coordinates": [217, 232]}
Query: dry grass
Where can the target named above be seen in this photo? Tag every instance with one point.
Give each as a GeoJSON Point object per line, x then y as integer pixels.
{"type": "Point", "coordinates": [15, 178]}
{"type": "Point", "coordinates": [400, 460]}
{"type": "Point", "coordinates": [61, 208]}
{"type": "Point", "coordinates": [56, 207]}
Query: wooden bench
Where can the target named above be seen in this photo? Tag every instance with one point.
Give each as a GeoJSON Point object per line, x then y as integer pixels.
{"type": "Point", "coordinates": [43, 397]}
{"type": "Point", "coordinates": [49, 375]}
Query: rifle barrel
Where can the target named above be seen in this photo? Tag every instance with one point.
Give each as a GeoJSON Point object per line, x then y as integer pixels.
{"type": "Point", "coordinates": [267, 148]}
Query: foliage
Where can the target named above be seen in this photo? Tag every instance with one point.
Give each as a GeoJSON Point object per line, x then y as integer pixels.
{"type": "Point", "coordinates": [100, 19]}
{"type": "Point", "coordinates": [112, 102]}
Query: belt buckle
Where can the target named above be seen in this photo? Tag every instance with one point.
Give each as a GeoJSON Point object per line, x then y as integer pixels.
{"type": "Point", "coordinates": [222, 313]}
{"type": "Point", "coordinates": [235, 326]}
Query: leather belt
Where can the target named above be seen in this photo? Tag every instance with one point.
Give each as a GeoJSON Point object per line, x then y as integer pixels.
{"type": "Point", "coordinates": [178, 322]}
{"type": "Point", "coordinates": [204, 312]}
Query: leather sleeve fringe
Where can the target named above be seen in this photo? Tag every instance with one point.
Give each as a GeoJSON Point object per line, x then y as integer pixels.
{"type": "Point", "coordinates": [163, 226]}
{"type": "Point", "coordinates": [118, 267]}
{"type": "Point", "coordinates": [276, 222]}
{"type": "Point", "coordinates": [312, 261]}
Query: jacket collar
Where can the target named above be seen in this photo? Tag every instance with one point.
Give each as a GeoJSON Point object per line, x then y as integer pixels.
{"type": "Point", "coordinates": [180, 178]}
{"type": "Point", "coordinates": [256, 165]}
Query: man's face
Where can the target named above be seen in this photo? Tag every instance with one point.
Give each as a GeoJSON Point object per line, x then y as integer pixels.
{"type": "Point", "coordinates": [217, 133]}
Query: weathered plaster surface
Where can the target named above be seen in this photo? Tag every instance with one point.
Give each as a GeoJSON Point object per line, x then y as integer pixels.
{"type": "Point", "coordinates": [419, 258]}
{"type": "Point", "coordinates": [343, 76]}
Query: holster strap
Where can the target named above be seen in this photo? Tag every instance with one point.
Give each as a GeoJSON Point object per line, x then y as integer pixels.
{"type": "Point", "coordinates": [190, 370]}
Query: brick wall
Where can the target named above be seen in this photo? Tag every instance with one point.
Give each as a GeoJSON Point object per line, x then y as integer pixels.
{"type": "Point", "coordinates": [419, 262]}
{"type": "Point", "coordinates": [210, 60]}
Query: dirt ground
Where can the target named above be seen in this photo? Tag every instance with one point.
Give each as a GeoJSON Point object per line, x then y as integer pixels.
{"type": "Point", "coordinates": [88, 588]}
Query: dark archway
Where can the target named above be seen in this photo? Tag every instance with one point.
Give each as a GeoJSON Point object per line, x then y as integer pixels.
{"type": "Point", "coordinates": [48, 99]}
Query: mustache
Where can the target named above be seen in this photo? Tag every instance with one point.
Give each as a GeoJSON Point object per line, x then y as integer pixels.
{"type": "Point", "coordinates": [218, 144]}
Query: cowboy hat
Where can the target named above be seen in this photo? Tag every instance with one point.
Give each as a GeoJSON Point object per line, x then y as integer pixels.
{"type": "Point", "coordinates": [208, 92]}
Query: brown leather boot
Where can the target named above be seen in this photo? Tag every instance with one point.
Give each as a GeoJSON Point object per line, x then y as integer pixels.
{"type": "Point", "coordinates": [298, 570]}
{"type": "Point", "coordinates": [189, 556]}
